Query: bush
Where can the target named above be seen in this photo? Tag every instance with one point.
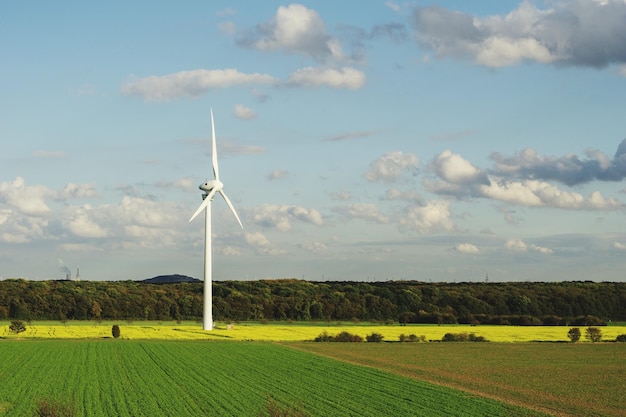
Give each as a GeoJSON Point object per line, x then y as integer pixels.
{"type": "Point", "coordinates": [115, 330]}
{"type": "Point", "coordinates": [324, 337]}
{"type": "Point", "coordinates": [375, 337]}
{"type": "Point", "coordinates": [574, 334]}
{"type": "Point", "coordinates": [593, 334]}
{"type": "Point", "coordinates": [348, 337]}
{"type": "Point", "coordinates": [50, 408]}
{"type": "Point", "coordinates": [341, 337]}
{"type": "Point", "coordinates": [462, 337]}
{"type": "Point", "coordinates": [17, 326]}
{"type": "Point", "coordinates": [621, 338]}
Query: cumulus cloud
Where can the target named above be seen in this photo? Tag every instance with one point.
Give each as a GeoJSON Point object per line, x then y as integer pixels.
{"type": "Point", "coordinates": [262, 245]}
{"type": "Point", "coordinates": [80, 223]}
{"type": "Point", "coordinates": [455, 170]}
{"type": "Point", "coordinates": [519, 246]}
{"type": "Point", "coordinates": [541, 249]}
{"type": "Point", "coordinates": [432, 217]}
{"type": "Point", "coordinates": [294, 29]}
{"type": "Point", "coordinates": [516, 245]}
{"type": "Point", "coordinates": [72, 190]}
{"type": "Point", "coordinates": [346, 77]}
{"type": "Point", "coordinates": [280, 217]}
{"type": "Point", "coordinates": [466, 248]}
{"type": "Point", "coordinates": [190, 83]}
{"type": "Point", "coordinates": [574, 33]}
{"type": "Point", "coordinates": [542, 194]}
{"type": "Point", "coordinates": [243, 112]}
{"type": "Point", "coordinates": [26, 199]}
{"type": "Point", "coordinates": [568, 169]}
{"type": "Point", "coordinates": [510, 180]}
{"type": "Point", "coordinates": [363, 211]}
{"type": "Point", "coordinates": [391, 166]}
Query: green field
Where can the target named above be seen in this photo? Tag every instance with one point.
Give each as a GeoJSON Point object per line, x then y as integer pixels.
{"type": "Point", "coordinates": [177, 369]}
{"type": "Point", "coordinates": [190, 378]}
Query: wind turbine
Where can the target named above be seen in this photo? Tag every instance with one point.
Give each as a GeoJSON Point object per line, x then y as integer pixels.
{"type": "Point", "coordinates": [210, 188]}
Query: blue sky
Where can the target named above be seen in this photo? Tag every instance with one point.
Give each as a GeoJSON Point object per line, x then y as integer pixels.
{"type": "Point", "coordinates": [435, 141]}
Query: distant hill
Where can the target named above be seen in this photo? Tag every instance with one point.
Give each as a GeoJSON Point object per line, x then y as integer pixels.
{"type": "Point", "coordinates": [169, 279]}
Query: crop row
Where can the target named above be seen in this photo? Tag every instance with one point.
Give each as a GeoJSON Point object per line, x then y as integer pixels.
{"type": "Point", "coordinates": [190, 378]}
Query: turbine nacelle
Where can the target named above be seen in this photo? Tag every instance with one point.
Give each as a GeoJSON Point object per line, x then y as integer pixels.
{"type": "Point", "coordinates": [211, 185]}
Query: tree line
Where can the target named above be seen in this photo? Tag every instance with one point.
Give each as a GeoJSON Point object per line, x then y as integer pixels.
{"type": "Point", "coordinates": [517, 303]}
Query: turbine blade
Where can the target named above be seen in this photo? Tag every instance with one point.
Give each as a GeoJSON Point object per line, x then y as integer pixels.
{"type": "Point", "coordinates": [205, 203]}
{"type": "Point", "coordinates": [216, 169]}
{"type": "Point", "coordinates": [231, 207]}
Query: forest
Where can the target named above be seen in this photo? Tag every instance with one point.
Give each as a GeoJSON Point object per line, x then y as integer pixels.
{"type": "Point", "coordinates": [515, 303]}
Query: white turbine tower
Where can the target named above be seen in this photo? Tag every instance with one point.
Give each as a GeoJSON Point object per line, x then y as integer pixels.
{"type": "Point", "coordinates": [210, 188]}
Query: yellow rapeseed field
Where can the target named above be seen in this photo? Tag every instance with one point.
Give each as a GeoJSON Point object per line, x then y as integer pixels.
{"type": "Point", "coordinates": [286, 332]}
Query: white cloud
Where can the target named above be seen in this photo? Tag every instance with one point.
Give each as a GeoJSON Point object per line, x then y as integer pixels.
{"type": "Point", "coordinates": [243, 112]}
{"type": "Point", "coordinates": [542, 194]}
{"type": "Point", "coordinates": [228, 250]}
{"type": "Point", "coordinates": [190, 83]}
{"type": "Point", "coordinates": [467, 248]}
{"type": "Point", "coordinates": [280, 217]}
{"type": "Point", "coordinates": [317, 248]}
{"type": "Point", "coordinates": [395, 194]}
{"type": "Point", "coordinates": [28, 200]}
{"type": "Point", "coordinates": [516, 245]}
{"type": "Point", "coordinates": [72, 190]}
{"type": "Point", "coordinates": [454, 169]}
{"type": "Point", "coordinates": [519, 246]}
{"type": "Point", "coordinates": [262, 245]}
{"type": "Point", "coordinates": [363, 211]}
{"type": "Point", "coordinates": [577, 33]}
{"type": "Point", "coordinates": [295, 29]}
{"type": "Point", "coordinates": [392, 5]}
{"type": "Point", "coordinates": [619, 245]}
{"type": "Point", "coordinates": [81, 225]}
{"type": "Point", "coordinates": [541, 249]}
{"type": "Point", "coordinates": [391, 166]}
{"type": "Point", "coordinates": [432, 217]}
{"type": "Point", "coordinates": [346, 77]}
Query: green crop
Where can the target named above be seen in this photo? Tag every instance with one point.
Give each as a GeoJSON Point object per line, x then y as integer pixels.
{"type": "Point", "coordinates": [191, 378]}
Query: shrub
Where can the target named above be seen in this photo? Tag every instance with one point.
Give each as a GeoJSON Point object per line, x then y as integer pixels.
{"type": "Point", "coordinates": [374, 337]}
{"type": "Point", "coordinates": [324, 337]}
{"type": "Point", "coordinates": [50, 408]}
{"type": "Point", "coordinates": [17, 326]}
{"type": "Point", "coordinates": [115, 330]}
{"type": "Point", "coordinates": [348, 337]}
{"type": "Point", "coordinates": [593, 334]}
{"type": "Point", "coordinates": [341, 337]}
{"type": "Point", "coordinates": [621, 338]}
{"type": "Point", "coordinates": [574, 334]}
{"type": "Point", "coordinates": [462, 337]}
